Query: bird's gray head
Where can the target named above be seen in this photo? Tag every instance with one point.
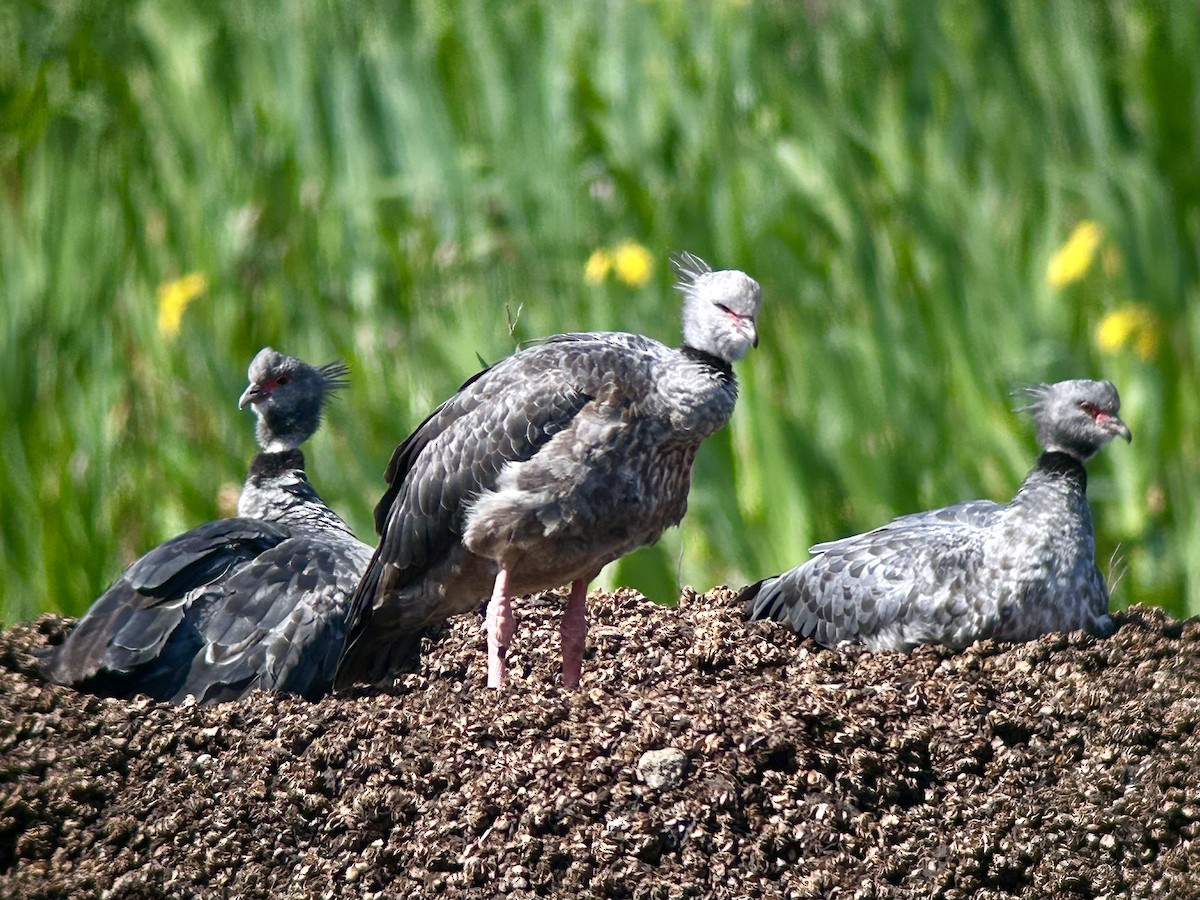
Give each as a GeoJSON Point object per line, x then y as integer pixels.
{"type": "Point", "coordinates": [1075, 417]}
{"type": "Point", "coordinates": [720, 309]}
{"type": "Point", "coordinates": [287, 395]}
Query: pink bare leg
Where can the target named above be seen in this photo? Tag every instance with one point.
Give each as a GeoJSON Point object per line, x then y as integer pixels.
{"type": "Point", "coordinates": [574, 634]}
{"type": "Point", "coordinates": [500, 627]}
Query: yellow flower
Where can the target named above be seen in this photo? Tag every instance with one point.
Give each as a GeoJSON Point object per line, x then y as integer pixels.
{"type": "Point", "coordinates": [598, 266]}
{"type": "Point", "coordinates": [174, 297]}
{"type": "Point", "coordinates": [1133, 325]}
{"type": "Point", "coordinates": [632, 263]}
{"type": "Point", "coordinates": [1072, 260]}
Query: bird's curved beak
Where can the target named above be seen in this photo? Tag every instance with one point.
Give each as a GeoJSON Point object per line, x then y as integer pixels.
{"type": "Point", "coordinates": [253, 394]}
{"type": "Point", "coordinates": [1119, 428]}
{"type": "Point", "coordinates": [751, 331]}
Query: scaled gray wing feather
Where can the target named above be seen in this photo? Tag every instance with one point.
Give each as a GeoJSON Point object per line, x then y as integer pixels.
{"type": "Point", "coordinates": [977, 513]}
{"type": "Point", "coordinates": [490, 422]}
{"type": "Point", "coordinates": [140, 633]}
{"type": "Point", "coordinates": [260, 636]}
{"type": "Point", "coordinates": [504, 414]}
{"type": "Point", "coordinates": [893, 587]}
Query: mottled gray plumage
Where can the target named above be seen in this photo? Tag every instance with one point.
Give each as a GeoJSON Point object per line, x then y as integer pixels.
{"type": "Point", "coordinates": [279, 621]}
{"type": "Point", "coordinates": [974, 570]}
{"type": "Point", "coordinates": [262, 596]}
{"type": "Point", "coordinates": [546, 467]}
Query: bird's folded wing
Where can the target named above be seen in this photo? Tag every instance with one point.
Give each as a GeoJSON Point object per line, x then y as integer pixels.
{"type": "Point", "coordinates": [279, 623]}
{"type": "Point", "coordinates": [129, 625]}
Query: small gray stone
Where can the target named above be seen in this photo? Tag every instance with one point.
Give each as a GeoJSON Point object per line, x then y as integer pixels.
{"type": "Point", "coordinates": [662, 768]}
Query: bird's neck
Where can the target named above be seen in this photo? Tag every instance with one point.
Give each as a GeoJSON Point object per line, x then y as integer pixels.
{"type": "Point", "coordinates": [270, 465]}
{"type": "Point", "coordinates": [279, 431]}
{"type": "Point", "coordinates": [275, 485]}
{"type": "Point", "coordinates": [695, 398]}
{"type": "Point", "coordinates": [719, 366]}
{"type": "Point", "coordinates": [1055, 476]}
{"type": "Point", "coordinates": [278, 490]}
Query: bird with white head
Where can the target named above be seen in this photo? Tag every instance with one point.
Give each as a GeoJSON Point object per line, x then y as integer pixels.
{"type": "Point", "coordinates": [543, 469]}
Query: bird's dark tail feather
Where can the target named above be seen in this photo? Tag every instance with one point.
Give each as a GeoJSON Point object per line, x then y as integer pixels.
{"type": "Point", "coordinates": [368, 656]}
{"type": "Point", "coordinates": [371, 659]}
{"type": "Point", "coordinates": [748, 598]}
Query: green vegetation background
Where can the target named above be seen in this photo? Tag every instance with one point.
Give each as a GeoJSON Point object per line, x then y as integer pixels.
{"type": "Point", "coordinates": [417, 186]}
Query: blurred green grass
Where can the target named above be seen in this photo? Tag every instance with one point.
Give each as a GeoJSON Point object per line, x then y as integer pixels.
{"type": "Point", "coordinates": [398, 184]}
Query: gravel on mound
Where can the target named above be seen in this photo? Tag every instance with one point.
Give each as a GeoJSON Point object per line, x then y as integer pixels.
{"type": "Point", "coordinates": [702, 757]}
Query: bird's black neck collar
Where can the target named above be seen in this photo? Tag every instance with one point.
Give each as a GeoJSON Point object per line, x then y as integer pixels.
{"type": "Point", "coordinates": [708, 360]}
{"type": "Point", "coordinates": [272, 465]}
{"type": "Point", "coordinates": [1062, 465]}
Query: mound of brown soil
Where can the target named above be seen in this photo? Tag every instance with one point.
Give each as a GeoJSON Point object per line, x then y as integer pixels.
{"type": "Point", "coordinates": [1065, 767]}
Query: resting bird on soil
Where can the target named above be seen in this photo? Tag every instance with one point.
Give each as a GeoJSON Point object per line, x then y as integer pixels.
{"type": "Point", "coordinates": [541, 470]}
{"type": "Point", "coordinates": [974, 570]}
{"type": "Point", "coordinates": [257, 600]}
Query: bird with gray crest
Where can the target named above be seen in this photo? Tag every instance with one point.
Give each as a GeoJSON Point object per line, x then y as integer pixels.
{"type": "Point", "coordinates": [979, 569]}
{"type": "Point", "coordinates": [255, 601]}
{"type": "Point", "coordinates": [543, 469]}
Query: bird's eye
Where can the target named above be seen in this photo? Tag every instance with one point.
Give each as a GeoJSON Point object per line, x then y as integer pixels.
{"type": "Point", "coordinates": [283, 379]}
{"type": "Point", "coordinates": [1089, 408]}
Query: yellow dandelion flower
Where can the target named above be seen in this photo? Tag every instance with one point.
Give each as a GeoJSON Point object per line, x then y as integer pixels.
{"type": "Point", "coordinates": [1115, 330]}
{"type": "Point", "coordinates": [599, 264]}
{"type": "Point", "coordinates": [1072, 260]}
{"type": "Point", "coordinates": [1133, 325]}
{"type": "Point", "coordinates": [633, 263]}
{"type": "Point", "coordinates": [174, 297]}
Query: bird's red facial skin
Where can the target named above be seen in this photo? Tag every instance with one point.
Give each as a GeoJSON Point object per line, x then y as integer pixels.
{"type": "Point", "coordinates": [741, 324]}
{"type": "Point", "coordinates": [1107, 420]}
{"type": "Point", "coordinates": [735, 318]}
{"type": "Point", "coordinates": [1095, 412]}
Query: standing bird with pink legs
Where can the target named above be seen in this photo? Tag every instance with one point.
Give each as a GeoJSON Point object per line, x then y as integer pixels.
{"type": "Point", "coordinates": [540, 471]}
